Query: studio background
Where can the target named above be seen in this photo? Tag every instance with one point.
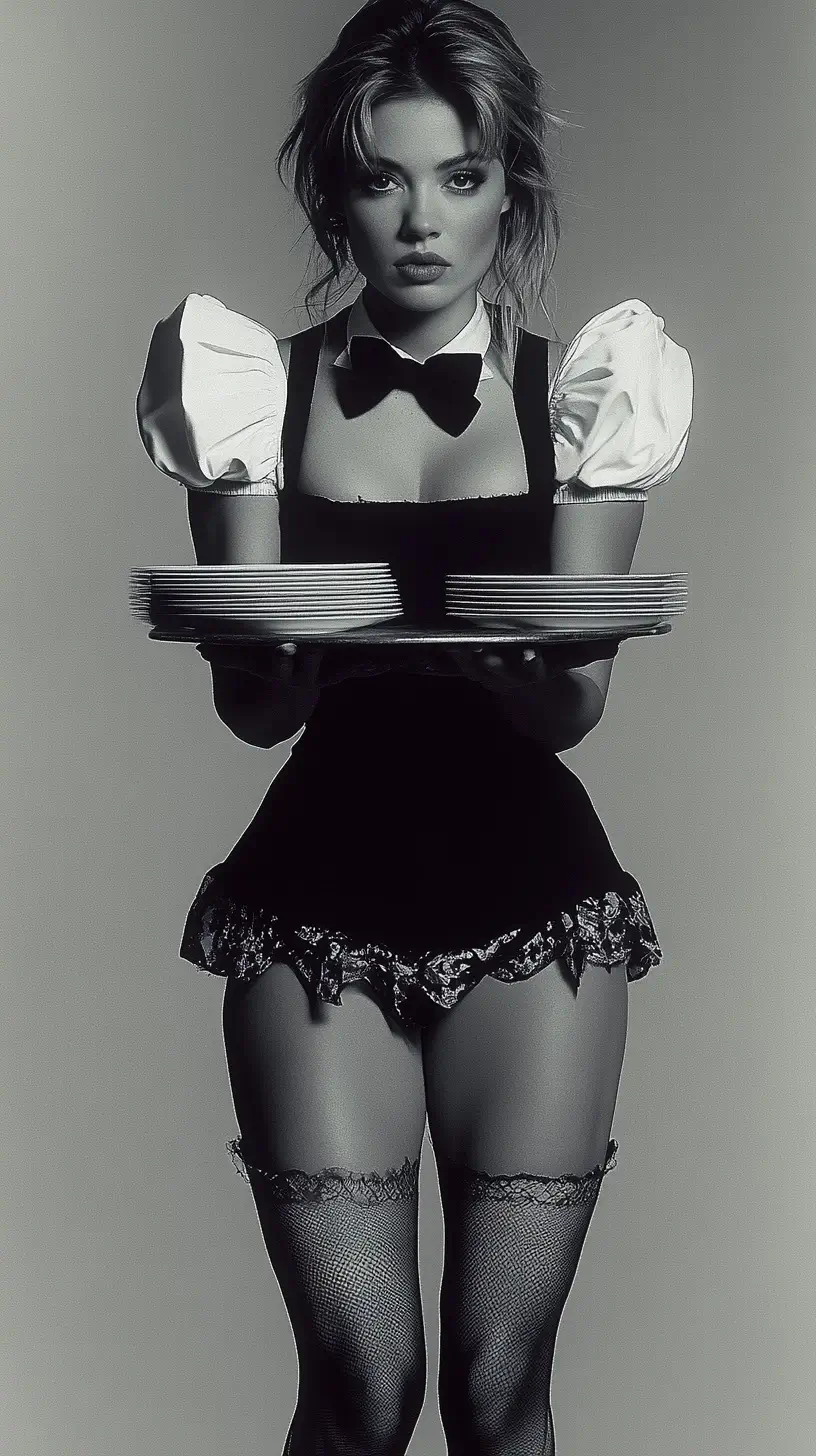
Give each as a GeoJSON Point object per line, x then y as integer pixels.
{"type": "Point", "coordinates": [139, 1309]}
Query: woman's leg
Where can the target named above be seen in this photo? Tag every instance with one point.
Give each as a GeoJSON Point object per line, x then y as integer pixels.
{"type": "Point", "coordinates": [330, 1104]}
{"type": "Point", "coordinates": [521, 1081]}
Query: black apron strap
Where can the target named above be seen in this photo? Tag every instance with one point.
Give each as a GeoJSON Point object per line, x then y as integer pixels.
{"type": "Point", "coordinates": [304, 352]}
{"type": "Point", "coordinates": [530, 390]}
{"type": "Point", "coordinates": [304, 356]}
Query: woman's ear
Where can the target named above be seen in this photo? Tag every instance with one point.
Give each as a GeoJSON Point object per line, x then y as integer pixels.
{"type": "Point", "coordinates": [507, 203]}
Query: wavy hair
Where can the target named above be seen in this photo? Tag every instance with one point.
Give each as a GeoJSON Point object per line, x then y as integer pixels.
{"type": "Point", "coordinates": [393, 48]}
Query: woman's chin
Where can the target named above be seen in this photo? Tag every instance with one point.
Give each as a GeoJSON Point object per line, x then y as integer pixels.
{"type": "Point", "coordinates": [421, 298]}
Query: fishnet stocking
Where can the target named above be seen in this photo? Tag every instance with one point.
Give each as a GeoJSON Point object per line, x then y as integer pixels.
{"type": "Point", "coordinates": [512, 1245]}
{"type": "Point", "coordinates": [343, 1246]}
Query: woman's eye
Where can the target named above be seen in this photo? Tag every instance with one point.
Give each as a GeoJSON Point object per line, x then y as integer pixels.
{"type": "Point", "coordinates": [476, 177]}
{"type": "Point", "coordinates": [369, 183]}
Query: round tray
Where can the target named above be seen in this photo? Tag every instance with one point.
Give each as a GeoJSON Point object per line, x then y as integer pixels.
{"type": "Point", "coordinates": [402, 634]}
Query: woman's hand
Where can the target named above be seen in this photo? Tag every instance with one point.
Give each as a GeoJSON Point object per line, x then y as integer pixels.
{"type": "Point", "coordinates": [286, 664]}
{"type": "Point", "coordinates": [507, 668]}
{"type": "Point", "coordinates": [289, 664]}
{"type": "Point", "coordinates": [503, 668]}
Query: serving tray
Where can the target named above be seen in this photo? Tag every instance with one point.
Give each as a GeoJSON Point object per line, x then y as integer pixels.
{"type": "Point", "coordinates": [402, 634]}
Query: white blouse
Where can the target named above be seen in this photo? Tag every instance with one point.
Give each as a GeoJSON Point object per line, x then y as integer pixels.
{"type": "Point", "coordinates": [211, 403]}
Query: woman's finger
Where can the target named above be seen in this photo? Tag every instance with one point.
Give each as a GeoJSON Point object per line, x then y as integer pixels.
{"type": "Point", "coordinates": [283, 662]}
{"type": "Point", "coordinates": [271, 662]}
{"type": "Point", "coordinates": [517, 668]}
{"type": "Point", "coordinates": [534, 666]}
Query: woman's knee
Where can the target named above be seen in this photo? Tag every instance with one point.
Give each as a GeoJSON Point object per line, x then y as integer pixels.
{"type": "Point", "coordinates": [343, 1244]}
{"type": "Point", "coordinates": [371, 1404]}
{"type": "Point", "coordinates": [512, 1245]}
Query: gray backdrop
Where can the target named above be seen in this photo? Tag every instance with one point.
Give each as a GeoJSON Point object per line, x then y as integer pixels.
{"type": "Point", "coordinates": [140, 1312]}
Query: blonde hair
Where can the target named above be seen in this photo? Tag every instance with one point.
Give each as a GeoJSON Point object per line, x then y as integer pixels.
{"type": "Point", "coordinates": [465, 53]}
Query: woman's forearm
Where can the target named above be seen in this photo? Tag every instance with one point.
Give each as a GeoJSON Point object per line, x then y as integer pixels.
{"type": "Point", "coordinates": [558, 712]}
{"type": "Point", "coordinates": [258, 711]}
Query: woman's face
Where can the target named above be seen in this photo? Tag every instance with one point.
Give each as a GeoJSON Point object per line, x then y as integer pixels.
{"type": "Point", "coordinates": [430, 197]}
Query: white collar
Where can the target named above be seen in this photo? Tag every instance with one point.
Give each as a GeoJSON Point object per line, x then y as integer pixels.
{"type": "Point", "coordinates": [474, 338]}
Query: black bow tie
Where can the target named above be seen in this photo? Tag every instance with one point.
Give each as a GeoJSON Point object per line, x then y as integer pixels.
{"type": "Point", "coordinates": [445, 385]}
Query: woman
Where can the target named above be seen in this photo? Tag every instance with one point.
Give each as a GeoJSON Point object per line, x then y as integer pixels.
{"type": "Point", "coordinates": [423, 851]}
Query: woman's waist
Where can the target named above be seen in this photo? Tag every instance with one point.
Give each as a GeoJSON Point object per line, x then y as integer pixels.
{"type": "Point", "coordinates": [412, 703]}
{"type": "Point", "coordinates": [411, 727]}
{"type": "Point", "coordinates": [418, 772]}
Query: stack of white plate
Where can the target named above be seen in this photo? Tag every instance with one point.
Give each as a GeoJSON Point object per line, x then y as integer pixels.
{"type": "Point", "coordinates": [266, 600]}
{"type": "Point", "coordinates": [567, 601]}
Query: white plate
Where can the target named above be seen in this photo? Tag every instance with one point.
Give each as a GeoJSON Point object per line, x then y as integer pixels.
{"type": "Point", "coordinates": [580, 600]}
{"type": "Point", "coordinates": [579, 610]}
{"type": "Point", "coordinates": [340, 600]}
{"type": "Point", "coordinates": [312, 615]}
{"type": "Point", "coordinates": [278, 624]}
{"type": "Point", "coordinates": [263, 578]}
{"type": "Point", "coordinates": [577, 620]}
{"type": "Point", "coordinates": [545, 578]}
{"type": "Point", "coordinates": [577, 602]}
{"type": "Point", "coordinates": [341, 567]}
{"type": "Point", "coordinates": [530, 576]}
{"type": "Point", "coordinates": [246, 581]}
{"type": "Point", "coordinates": [245, 609]}
{"type": "Point", "coordinates": [542, 594]}
{"type": "Point", "coordinates": [247, 585]}
{"type": "Point", "coordinates": [568, 583]}
{"type": "Point", "coordinates": [489, 604]}
{"type": "Point", "coordinates": [246, 588]}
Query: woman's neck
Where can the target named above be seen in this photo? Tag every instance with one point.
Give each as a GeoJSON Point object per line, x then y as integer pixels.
{"type": "Point", "coordinates": [419, 334]}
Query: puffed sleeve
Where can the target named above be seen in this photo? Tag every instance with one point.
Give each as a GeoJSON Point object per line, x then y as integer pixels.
{"type": "Point", "coordinates": [620, 407]}
{"type": "Point", "coordinates": [211, 402]}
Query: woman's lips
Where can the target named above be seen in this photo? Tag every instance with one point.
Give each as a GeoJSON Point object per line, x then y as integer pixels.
{"type": "Point", "coordinates": [422, 272]}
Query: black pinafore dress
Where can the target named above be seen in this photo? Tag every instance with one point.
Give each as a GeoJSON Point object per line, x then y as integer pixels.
{"type": "Point", "coordinates": [414, 838]}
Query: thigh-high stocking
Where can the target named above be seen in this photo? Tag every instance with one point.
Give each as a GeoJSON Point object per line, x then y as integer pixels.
{"type": "Point", "coordinates": [331, 1111]}
{"type": "Point", "coordinates": [521, 1084]}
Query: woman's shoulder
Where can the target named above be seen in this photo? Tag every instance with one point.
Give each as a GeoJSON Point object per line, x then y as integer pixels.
{"type": "Point", "coordinates": [620, 402]}
{"type": "Point", "coordinates": [211, 402]}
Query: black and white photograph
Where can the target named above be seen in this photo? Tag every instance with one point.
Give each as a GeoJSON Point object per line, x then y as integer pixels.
{"type": "Point", "coordinates": [413, 813]}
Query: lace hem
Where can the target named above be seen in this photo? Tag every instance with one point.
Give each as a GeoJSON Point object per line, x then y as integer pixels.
{"type": "Point", "coordinates": [229, 938]}
{"type": "Point", "coordinates": [328, 1184]}
{"type": "Point", "coordinates": [563, 1191]}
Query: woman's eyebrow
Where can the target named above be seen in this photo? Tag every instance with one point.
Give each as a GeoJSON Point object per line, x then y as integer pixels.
{"type": "Point", "coordinates": [441, 166]}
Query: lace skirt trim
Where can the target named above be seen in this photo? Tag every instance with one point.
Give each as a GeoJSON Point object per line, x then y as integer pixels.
{"type": "Point", "coordinates": [229, 938]}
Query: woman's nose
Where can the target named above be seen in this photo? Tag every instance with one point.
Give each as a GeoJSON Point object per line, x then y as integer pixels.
{"type": "Point", "coordinates": [418, 229]}
{"type": "Point", "coordinates": [418, 225]}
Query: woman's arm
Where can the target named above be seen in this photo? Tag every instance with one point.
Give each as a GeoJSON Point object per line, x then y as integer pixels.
{"type": "Point", "coordinates": [595, 538]}
{"type": "Point", "coordinates": [244, 530]}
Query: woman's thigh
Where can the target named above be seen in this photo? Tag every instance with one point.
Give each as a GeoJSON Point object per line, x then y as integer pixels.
{"type": "Point", "coordinates": [317, 1088]}
{"type": "Point", "coordinates": [317, 1085]}
{"type": "Point", "coordinates": [523, 1076]}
